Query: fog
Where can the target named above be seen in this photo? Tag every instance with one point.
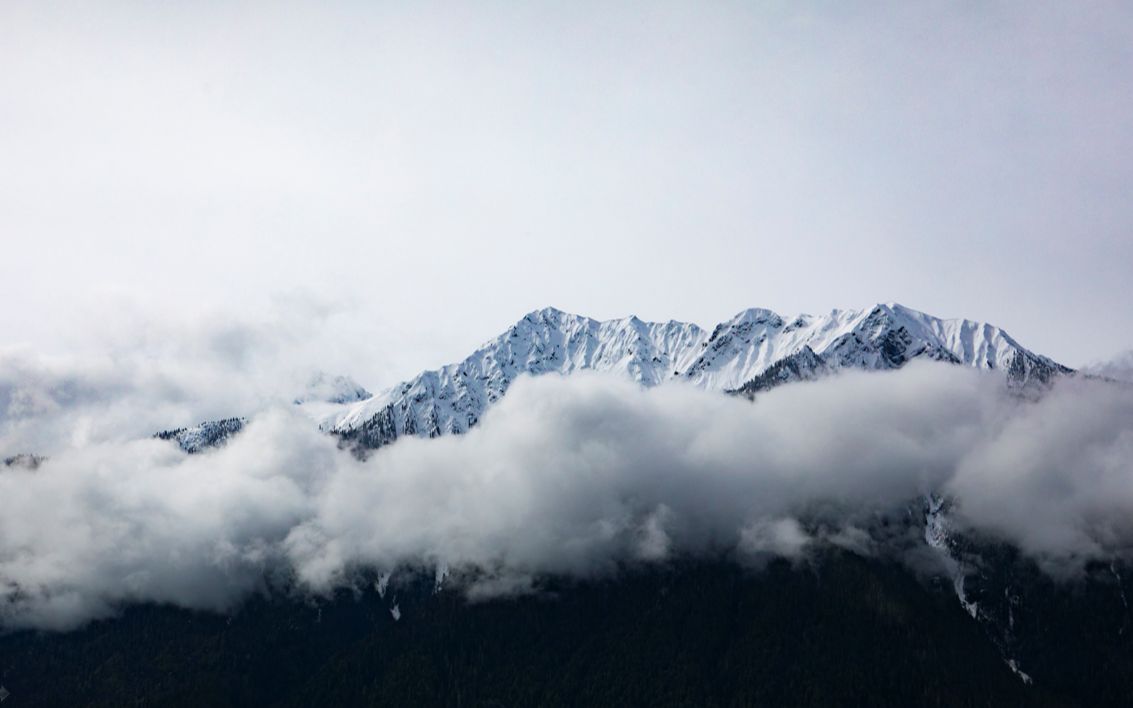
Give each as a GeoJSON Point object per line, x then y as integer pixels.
{"type": "Point", "coordinates": [134, 369]}
{"type": "Point", "coordinates": [170, 168]}
{"type": "Point", "coordinates": [580, 476]}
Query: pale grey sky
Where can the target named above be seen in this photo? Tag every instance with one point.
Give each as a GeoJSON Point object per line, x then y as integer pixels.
{"type": "Point", "coordinates": [435, 170]}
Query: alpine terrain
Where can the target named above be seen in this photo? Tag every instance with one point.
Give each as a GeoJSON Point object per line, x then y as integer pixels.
{"type": "Point", "coordinates": [753, 351]}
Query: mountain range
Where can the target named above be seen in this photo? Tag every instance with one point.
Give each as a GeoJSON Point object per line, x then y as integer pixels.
{"type": "Point", "coordinates": [751, 352]}
{"type": "Point", "coordinates": [983, 624]}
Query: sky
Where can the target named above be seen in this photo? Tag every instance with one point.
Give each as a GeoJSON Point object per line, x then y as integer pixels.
{"type": "Point", "coordinates": [416, 176]}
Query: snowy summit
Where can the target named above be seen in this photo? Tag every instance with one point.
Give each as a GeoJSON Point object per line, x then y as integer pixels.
{"type": "Point", "coordinates": [755, 350]}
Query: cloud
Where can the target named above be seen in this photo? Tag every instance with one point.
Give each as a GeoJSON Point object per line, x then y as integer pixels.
{"type": "Point", "coordinates": [1119, 367]}
{"type": "Point", "coordinates": [781, 537]}
{"type": "Point", "coordinates": [139, 371]}
{"type": "Point", "coordinates": [1056, 478]}
{"type": "Point", "coordinates": [577, 476]}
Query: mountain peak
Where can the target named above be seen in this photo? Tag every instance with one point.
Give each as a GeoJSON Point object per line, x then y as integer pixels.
{"type": "Point", "coordinates": [324, 388]}
{"type": "Point", "coordinates": [544, 313]}
{"type": "Point", "coordinates": [756, 315]}
{"type": "Point", "coordinates": [754, 350]}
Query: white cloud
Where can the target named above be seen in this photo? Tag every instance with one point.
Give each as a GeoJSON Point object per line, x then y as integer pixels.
{"type": "Point", "coordinates": [575, 476]}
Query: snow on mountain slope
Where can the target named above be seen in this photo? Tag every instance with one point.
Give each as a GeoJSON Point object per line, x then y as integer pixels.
{"type": "Point", "coordinates": [209, 434]}
{"type": "Point", "coordinates": [323, 396]}
{"type": "Point", "coordinates": [322, 388]}
{"type": "Point", "coordinates": [753, 351]}
{"type": "Point", "coordinates": [884, 337]}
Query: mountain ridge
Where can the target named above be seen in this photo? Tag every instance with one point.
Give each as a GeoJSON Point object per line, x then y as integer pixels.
{"type": "Point", "coordinates": [755, 350]}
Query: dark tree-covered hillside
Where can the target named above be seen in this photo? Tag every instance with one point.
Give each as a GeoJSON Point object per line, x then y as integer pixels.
{"type": "Point", "coordinates": [842, 630]}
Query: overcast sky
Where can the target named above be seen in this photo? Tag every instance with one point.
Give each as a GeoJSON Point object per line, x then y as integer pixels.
{"type": "Point", "coordinates": [434, 171]}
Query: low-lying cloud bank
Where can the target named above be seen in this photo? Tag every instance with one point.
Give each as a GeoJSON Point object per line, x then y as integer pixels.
{"type": "Point", "coordinates": [1119, 367]}
{"type": "Point", "coordinates": [133, 371]}
{"type": "Point", "coordinates": [570, 476]}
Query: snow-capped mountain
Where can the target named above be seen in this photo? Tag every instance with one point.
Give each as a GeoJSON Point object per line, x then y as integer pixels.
{"type": "Point", "coordinates": [323, 388]}
{"type": "Point", "coordinates": [209, 434]}
{"type": "Point", "coordinates": [753, 351]}
{"type": "Point", "coordinates": [323, 393]}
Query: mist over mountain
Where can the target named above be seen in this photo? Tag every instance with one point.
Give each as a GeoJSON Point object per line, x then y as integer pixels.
{"type": "Point", "coordinates": [484, 355]}
{"type": "Point", "coordinates": [577, 451]}
{"type": "Point", "coordinates": [1119, 367]}
{"type": "Point", "coordinates": [651, 421]}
